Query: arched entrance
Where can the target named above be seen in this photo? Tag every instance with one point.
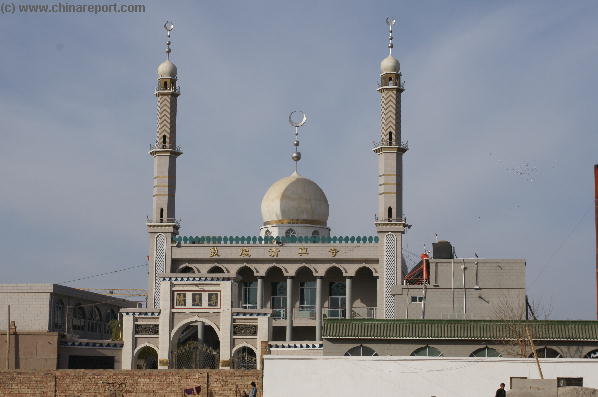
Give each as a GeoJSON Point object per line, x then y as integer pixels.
{"type": "Point", "coordinates": [196, 347]}
{"type": "Point", "coordinates": [146, 358]}
{"type": "Point", "coordinates": [244, 358]}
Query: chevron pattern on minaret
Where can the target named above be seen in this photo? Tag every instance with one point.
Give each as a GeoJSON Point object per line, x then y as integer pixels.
{"type": "Point", "coordinates": [390, 114]}
{"type": "Point", "coordinates": [167, 107]}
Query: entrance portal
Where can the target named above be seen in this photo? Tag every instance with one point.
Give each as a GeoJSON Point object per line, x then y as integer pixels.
{"type": "Point", "coordinates": [197, 347]}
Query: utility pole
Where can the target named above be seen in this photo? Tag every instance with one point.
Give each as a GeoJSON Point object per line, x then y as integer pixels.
{"type": "Point", "coordinates": [596, 215]}
{"type": "Point", "coordinates": [8, 337]}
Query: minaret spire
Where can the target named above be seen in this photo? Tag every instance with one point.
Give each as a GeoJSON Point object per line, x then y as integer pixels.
{"type": "Point", "coordinates": [297, 122]}
{"type": "Point", "coordinates": [390, 221]}
{"type": "Point", "coordinates": [168, 26]}
{"type": "Point", "coordinates": [390, 21]}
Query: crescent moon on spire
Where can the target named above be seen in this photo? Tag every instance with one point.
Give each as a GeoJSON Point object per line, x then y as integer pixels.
{"type": "Point", "coordinates": [294, 121]}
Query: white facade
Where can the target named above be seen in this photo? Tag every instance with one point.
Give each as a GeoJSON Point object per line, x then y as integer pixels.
{"type": "Point", "coordinates": [410, 376]}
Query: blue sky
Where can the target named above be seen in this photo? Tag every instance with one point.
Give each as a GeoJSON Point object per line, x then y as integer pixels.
{"type": "Point", "coordinates": [499, 113]}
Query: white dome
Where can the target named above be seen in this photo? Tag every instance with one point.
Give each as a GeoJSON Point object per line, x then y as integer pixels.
{"type": "Point", "coordinates": [167, 69]}
{"type": "Point", "coordinates": [390, 65]}
{"type": "Point", "coordinates": [295, 200]}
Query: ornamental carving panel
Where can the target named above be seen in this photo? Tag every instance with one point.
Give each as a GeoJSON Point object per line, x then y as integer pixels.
{"type": "Point", "coordinates": [147, 329]}
{"type": "Point", "coordinates": [244, 329]}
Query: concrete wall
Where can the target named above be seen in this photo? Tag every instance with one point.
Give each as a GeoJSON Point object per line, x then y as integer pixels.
{"type": "Point", "coordinates": [409, 376]}
{"type": "Point", "coordinates": [110, 383]}
{"type": "Point", "coordinates": [29, 310]}
{"type": "Point", "coordinates": [30, 350]}
{"type": "Point", "coordinates": [493, 289]}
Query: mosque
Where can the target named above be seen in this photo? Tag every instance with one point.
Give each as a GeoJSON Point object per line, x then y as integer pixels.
{"type": "Point", "coordinates": [225, 301]}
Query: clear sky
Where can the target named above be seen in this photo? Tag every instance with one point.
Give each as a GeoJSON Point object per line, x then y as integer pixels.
{"type": "Point", "coordinates": [500, 115]}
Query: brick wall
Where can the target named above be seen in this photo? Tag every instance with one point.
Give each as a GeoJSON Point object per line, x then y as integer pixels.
{"type": "Point", "coordinates": [123, 383]}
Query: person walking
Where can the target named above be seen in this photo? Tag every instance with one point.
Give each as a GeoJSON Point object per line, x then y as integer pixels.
{"type": "Point", "coordinates": [501, 391]}
{"type": "Point", "coordinates": [253, 392]}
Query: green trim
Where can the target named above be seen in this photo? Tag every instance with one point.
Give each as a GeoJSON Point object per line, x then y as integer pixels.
{"type": "Point", "coordinates": [459, 329]}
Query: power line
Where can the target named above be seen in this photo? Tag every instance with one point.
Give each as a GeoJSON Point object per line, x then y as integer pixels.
{"type": "Point", "coordinates": [551, 258]}
{"type": "Point", "coordinates": [124, 269]}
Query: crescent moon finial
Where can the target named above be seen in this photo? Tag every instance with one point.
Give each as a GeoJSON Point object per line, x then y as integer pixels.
{"type": "Point", "coordinates": [297, 122]}
{"type": "Point", "coordinates": [168, 26]}
{"type": "Point", "coordinates": [390, 21]}
{"type": "Point", "coordinates": [296, 119]}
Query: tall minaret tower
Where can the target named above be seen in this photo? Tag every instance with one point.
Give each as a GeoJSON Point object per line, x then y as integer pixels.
{"type": "Point", "coordinates": [390, 222]}
{"type": "Point", "coordinates": [163, 225]}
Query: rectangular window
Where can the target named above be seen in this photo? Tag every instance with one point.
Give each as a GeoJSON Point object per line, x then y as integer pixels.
{"type": "Point", "coordinates": [417, 299]}
{"type": "Point", "coordinates": [196, 299]}
{"type": "Point", "coordinates": [249, 295]}
{"type": "Point", "coordinates": [562, 382]}
{"type": "Point", "coordinates": [279, 300]}
{"type": "Point", "coordinates": [307, 299]}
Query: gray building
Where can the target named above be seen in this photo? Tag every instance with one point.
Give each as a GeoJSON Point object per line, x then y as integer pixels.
{"type": "Point", "coordinates": [54, 326]}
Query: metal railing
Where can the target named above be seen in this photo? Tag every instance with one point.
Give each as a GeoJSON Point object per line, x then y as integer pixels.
{"type": "Point", "coordinates": [279, 304]}
{"type": "Point", "coordinates": [164, 220]}
{"type": "Point", "coordinates": [165, 146]}
{"type": "Point", "coordinates": [363, 312]}
{"type": "Point", "coordinates": [305, 312]}
{"type": "Point", "coordinates": [402, 219]}
{"type": "Point", "coordinates": [388, 142]}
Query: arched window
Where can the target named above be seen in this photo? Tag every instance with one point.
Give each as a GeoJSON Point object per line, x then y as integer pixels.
{"type": "Point", "coordinates": [592, 354]}
{"type": "Point", "coordinates": [361, 350]}
{"type": "Point", "coordinates": [290, 233]}
{"type": "Point", "coordinates": [389, 138]}
{"type": "Point", "coordinates": [79, 318]}
{"type": "Point", "coordinates": [59, 315]}
{"type": "Point", "coordinates": [163, 139]}
{"type": "Point", "coordinates": [216, 269]}
{"type": "Point", "coordinates": [546, 352]}
{"type": "Point", "coordinates": [268, 232]}
{"type": "Point", "coordinates": [315, 233]}
{"type": "Point", "coordinates": [186, 269]}
{"type": "Point", "coordinates": [485, 352]}
{"type": "Point", "coordinates": [427, 351]}
{"type": "Point", "coordinates": [165, 85]}
{"type": "Point", "coordinates": [389, 213]}
{"type": "Point", "coordinates": [161, 214]}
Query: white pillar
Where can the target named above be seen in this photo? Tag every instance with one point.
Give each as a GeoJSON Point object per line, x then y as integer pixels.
{"type": "Point", "coordinates": [260, 292]}
{"type": "Point", "coordinates": [379, 298]}
{"type": "Point", "coordinates": [165, 326]}
{"type": "Point", "coordinates": [318, 308]}
{"type": "Point", "coordinates": [348, 298]}
{"type": "Point", "coordinates": [128, 341]}
{"type": "Point", "coordinates": [200, 331]}
{"type": "Point", "coordinates": [289, 333]}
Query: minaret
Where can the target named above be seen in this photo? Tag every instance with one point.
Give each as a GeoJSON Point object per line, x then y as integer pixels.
{"type": "Point", "coordinates": [390, 222]}
{"type": "Point", "coordinates": [163, 225]}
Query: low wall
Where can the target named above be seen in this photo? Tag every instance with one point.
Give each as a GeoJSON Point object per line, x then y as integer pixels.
{"type": "Point", "coordinates": [410, 376]}
{"type": "Point", "coordinates": [123, 383]}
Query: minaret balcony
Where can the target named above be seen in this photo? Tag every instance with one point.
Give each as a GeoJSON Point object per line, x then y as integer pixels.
{"type": "Point", "coordinates": [164, 147]}
{"type": "Point", "coordinates": [167, 221]}
{"type": "Point", "coordinates": [385, 145]}
{"type": "Point", "coordinates": [169, 91]}
{"type": "Point", "coordinates": [392, 85]}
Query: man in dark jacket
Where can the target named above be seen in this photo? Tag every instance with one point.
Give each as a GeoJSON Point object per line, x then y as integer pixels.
{"type": "Point", "coordinates": [501, 391]}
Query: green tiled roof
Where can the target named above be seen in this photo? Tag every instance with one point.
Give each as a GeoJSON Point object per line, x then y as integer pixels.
{"type": "Point", "coordinates": [460, 329]}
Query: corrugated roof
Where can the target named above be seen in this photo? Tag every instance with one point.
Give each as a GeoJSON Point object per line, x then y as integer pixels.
{"type": "Point", "coordinates": [460, 329]}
